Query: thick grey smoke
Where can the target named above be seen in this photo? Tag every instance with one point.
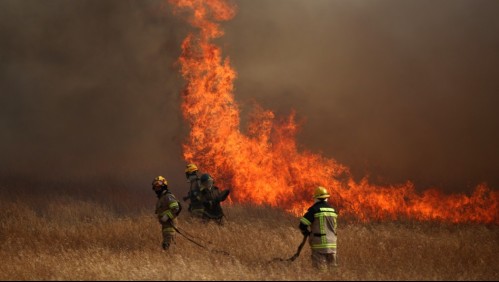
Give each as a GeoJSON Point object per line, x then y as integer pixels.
{"type": "Point", "coordinates": [397, 90]}
{"type": "Point", "coordinates": [90, 88]}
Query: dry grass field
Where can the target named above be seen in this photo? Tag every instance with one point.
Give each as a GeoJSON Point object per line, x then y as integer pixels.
{"type": "Point", "coordinates": [91, 235]}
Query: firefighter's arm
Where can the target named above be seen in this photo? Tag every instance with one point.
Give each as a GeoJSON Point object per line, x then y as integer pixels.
{"type": "Point", "coordinates": [305, 222]}
{"type": "Point", "coordinates": [304, 229]}
{"type": "Point", "coordinates": [171, 212]}
{"type": "Point", "coordinates": [174, 208]}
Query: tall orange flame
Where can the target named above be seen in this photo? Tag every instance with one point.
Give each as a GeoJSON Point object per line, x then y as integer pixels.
{"type": "Point", "coordinates": [265, 166]}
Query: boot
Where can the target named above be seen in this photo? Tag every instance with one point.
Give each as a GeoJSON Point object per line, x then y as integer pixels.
{"type": "Point", "coordinates": [165, 246]}
{"type": "Point", "coordinates": [335, 260]}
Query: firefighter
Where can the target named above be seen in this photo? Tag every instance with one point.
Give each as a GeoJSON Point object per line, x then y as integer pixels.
{"type": "Point", "coordinates": [211, 196]}
{"type": "Point", "coordinates": [321, 218]}
{"type": "Point", "coordinates": [196, 207]}
{"type": "Point", "coordinates": [167, 210]}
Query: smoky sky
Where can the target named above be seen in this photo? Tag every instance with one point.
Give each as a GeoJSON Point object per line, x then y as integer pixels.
{"type": "Point", "coordinates": [395, 90]}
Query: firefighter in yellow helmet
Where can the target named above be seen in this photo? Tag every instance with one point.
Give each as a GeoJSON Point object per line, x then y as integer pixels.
{"type": "Point", "coordinates": [167, 210]}
{"type": "Point", "coordinates": [319, 223]}
{"type": "Point", "coordinates": [195, 205]}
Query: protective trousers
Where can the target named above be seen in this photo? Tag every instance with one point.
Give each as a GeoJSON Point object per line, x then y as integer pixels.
{"type": "Point", "coordinates": [168, 234]}
{"type": "Point", "coordinates": [323, 261]}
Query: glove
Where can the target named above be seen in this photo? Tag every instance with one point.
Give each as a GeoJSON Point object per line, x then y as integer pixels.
{"type": "Point", "coordinates": [164, 218]}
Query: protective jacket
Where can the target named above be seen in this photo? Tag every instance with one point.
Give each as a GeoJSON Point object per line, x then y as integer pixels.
{"type": "Point", "coordinates": [210, 198]}
{"type": "Point", "coordinates": [321, 218]}
{"type": "Point", "coordinates": [195, 205]}
{"type": "Point", "coordinates": [167, 205]}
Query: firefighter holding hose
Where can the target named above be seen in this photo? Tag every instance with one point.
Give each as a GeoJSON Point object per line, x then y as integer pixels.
{"type": "Point", "coordinates": [167, 210]}
{"type": "Point", "coordinates": [319, 223]}
{"type": "Point", "coordinates": [211, 196]}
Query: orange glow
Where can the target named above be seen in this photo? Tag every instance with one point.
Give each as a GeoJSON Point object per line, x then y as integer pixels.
{"type": "Point", "coordinates": [263, 164]}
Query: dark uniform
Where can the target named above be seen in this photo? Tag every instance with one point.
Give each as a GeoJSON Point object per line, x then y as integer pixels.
{"type": "Point", "coordinates": [211, 196]}
{"type": "Point", "coordinates": [196, 207]}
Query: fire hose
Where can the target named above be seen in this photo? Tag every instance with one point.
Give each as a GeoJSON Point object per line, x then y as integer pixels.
{"type": "Point", "coordinates": [292, 258]}
{"type": "Point", "coordinates": [199, 244]}
{"type": "Point", "coordinates": [297, 254]}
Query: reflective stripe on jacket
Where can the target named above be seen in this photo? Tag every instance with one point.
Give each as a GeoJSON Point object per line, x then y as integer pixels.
{"type": "Point", "coordinates": [321, 218]}
{"type": "Point", "coordinates": [168, 205]}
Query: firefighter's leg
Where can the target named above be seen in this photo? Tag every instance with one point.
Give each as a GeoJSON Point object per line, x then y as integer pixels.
{"type": "Point", "coordinates": [197, 213]}
{"type": "Point", "coordinates": [319, 261]}
{"type": "Point", "coordinates": [331, 260]}
{"type": "Point", "coordinates": [334, 257]}
{"type": "Point", "coordinates": [168, 236]}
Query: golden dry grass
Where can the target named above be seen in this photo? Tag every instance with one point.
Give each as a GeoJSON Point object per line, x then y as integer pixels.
{"type": "Point", "coordinates": [63, 237]}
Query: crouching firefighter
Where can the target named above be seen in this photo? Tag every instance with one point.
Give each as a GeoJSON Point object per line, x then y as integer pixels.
{"type": "Point", "coordinates": [321, 218]}
{"type": "Point", "coordinates": [211, 196]}
{"type": "Point", "coordinates": [167, 210]}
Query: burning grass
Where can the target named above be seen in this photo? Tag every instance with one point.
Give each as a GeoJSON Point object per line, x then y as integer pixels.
{"type": "Point", "coordinates": [62, 237]}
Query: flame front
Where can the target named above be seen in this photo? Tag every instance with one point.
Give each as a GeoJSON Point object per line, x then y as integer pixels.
{"type": "Point", "coordinates": [264, 165]}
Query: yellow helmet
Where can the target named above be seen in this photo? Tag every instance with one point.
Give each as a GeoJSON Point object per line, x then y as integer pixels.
{"type": "Point", "coordinates": [190, 168]}
{"type": "Point", "coordinates": [159, 181]}
{"type": "Point", "coordinates": [321, 193]}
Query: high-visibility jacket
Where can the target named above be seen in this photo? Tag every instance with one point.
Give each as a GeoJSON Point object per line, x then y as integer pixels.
{"type": "Point", "coordinates": [321, 218]}
{"type": "Point", "coordinates": [168, 205]}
